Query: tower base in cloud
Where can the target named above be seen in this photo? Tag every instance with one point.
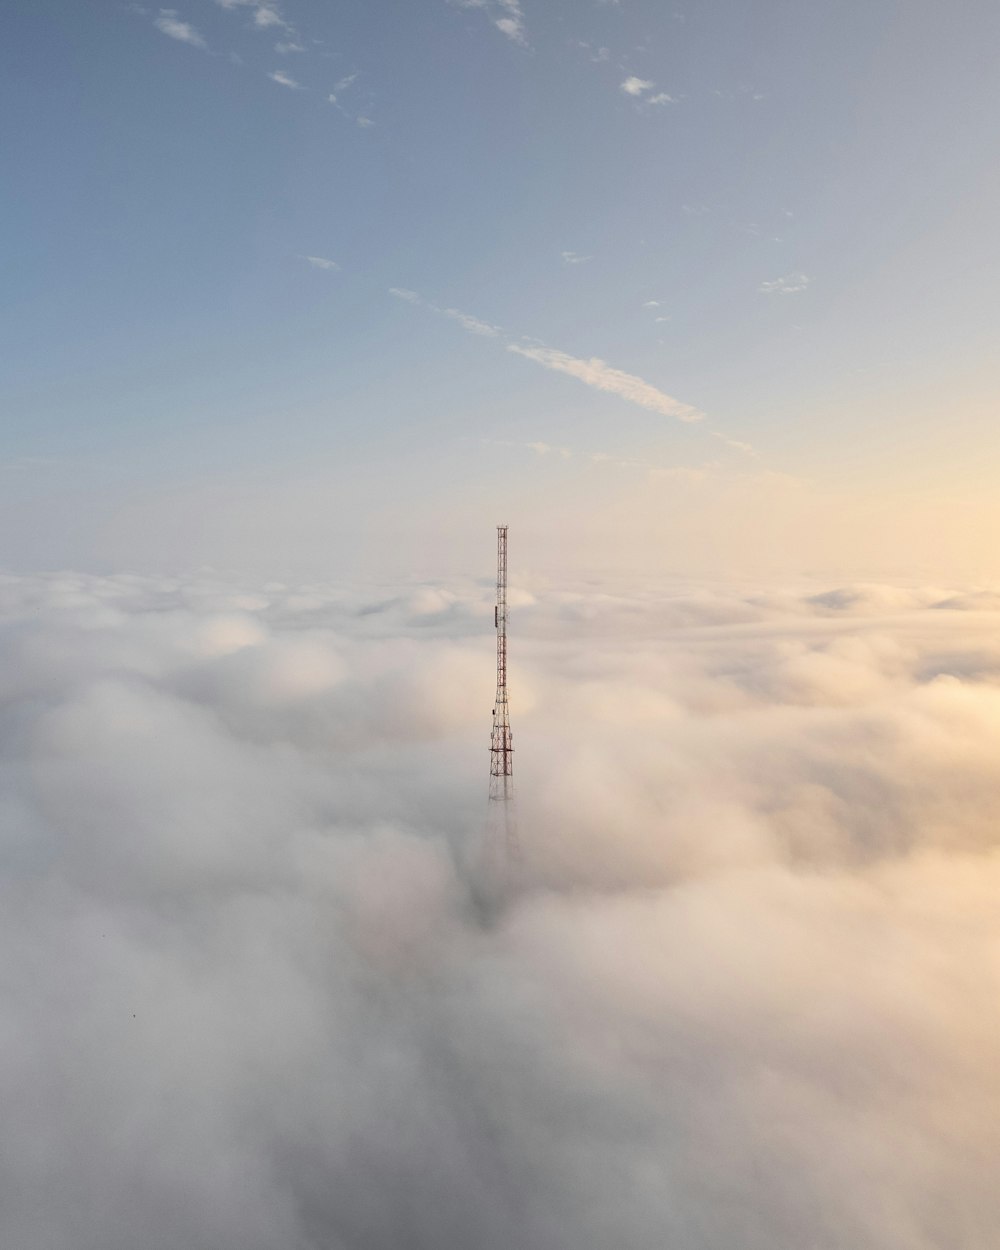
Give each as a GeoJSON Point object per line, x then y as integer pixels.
{"type": "Point", "coordinates": [494, 865]}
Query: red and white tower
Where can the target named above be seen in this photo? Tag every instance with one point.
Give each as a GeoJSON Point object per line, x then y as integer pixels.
{"type": "Point", "coordinates": [501, 745]}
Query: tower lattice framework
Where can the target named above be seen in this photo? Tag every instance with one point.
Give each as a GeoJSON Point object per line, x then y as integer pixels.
{"type": "Point", "coordinates": [501, 743]}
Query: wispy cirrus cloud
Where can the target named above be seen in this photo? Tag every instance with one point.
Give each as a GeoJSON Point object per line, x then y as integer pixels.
{"type": "Point", "coordinates": [593, 372]}
{"type": "Point", "coordinates": [547, 449]}
{"type": "Point", "coordinates": [603, 377]}
{"type": "Point", "coordinates": [506, 15]}
{"type": "Point", "coordinates": [539, 448]}
{"type": "Point", "coordinates": [170, 24]}
{"type": "Point", "coordinates": [734, 443]}
{"type": "Point", "coordinates": [342, 86]}
{"type": "Point", "coordinates": [265, 14]}
{"type": "Point", "coordinates": [473, 324]}
{"type": "Point", "coordinates": [596, 54]}
{"type": "Point", "coordinates": [790, 284]}
{"type": "Point", "coordinates": [284, 80]}
{"type": "Point", "coordinates": [641, 90]}
{"type": "Point", "coordinates": [574, 258]}
{"type": "Point", "coordinates": [680, 472]}
{"type": "Point", "coordinates": [321, 262]}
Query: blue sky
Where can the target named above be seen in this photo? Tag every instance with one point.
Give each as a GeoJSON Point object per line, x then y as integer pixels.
{"type": "Point", "coordinates": [778, 215]}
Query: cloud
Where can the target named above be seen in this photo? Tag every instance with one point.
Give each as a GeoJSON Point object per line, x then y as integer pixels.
{"type": "Point", "coordinates": [538, 447]}
{"type": "Point", "coordinates": [597, 55]}
{"type": "Point", "coordinates": [169, 23]}
{"type": "Point", "coordinates": [364, 122]}
{"type": "Point", "coordinates": [574, 258]}
{"type": "Point", "coordinates": [546, 449]}
{"type": "Point", "coordinates": [598, 374]}
{"type": "Point", "coordinates": [265, 14]}
{"type": "Point", "coordinates": [734, 443]}
{"type": "Point", "coordinates": [639, 89]}
{"type": "Point", "coordinates": [279, 76]}
{"type": "Point", "coordinates": [593, 372]}
{"type": "Point", "coordinates": [636, 86]}
{"type": "Point", "coordinates": [507, 16]}
{"type": "Point", "coordinates": [289, 46]}
{"type": "Point", "coordinates": [790, 284]}
{"type": "Point", "coordinates": [321, 262]}
{"type": "Point", "coordinates": [472, 324]}
{"type": "Point", "coordinates": [746, 971]}
{"type": "Point", "coordinates": [467, 322]}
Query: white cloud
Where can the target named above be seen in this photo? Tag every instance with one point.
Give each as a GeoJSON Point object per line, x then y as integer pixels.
{"type": "Point", "coordinates": [597, 55]}
{"type": "Point", "coordinates": [321, 262]}
{"type": "Point", "coordinates": [364, 121]}
{"type": "Point", "coordinates": [651, 303]}
{"type": "Point", "coordinates": [600, 375]}
{"type": "Point", "coordinates": [593, 372]}
{"type": "Point", "coordinates": [169, 23]}
{"type": "Point", "coordinates": [748, 965]}
{"type": "Point", "coordinates": [512, 23]}
{"type": "Point", "coordinates": [279, 76]}
{"type": "Point", "coordinates": [547, 449]}
{"type": "Point", "coordinates": [661, 97]}
{"type": "Point", "coordinates": [265, 14]}
{"type": "Point", "coordinates": [790, 284]}
{"type": "Point", "coordinates": [289, 46]}
{"type": "Point", "coordinates": [574, 258]}
{"type": "Point", "coordinates": [472, 324]}
{"type": "Point", "coordinates": [506, 15]}
{"type": "Point", "coordinates": [538, 447]}
{"type": "Point", "coordinates": [734, 443]}
{"type": "Point", "coordinates": [345, 83]}
{"type": "Point", "coordinates": [636, 86]}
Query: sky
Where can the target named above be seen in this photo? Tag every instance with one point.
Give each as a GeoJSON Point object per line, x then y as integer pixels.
{"type": "Point", "coordinates": [301, 300]}
{"type": "Point", "coordinates": [332, 289]}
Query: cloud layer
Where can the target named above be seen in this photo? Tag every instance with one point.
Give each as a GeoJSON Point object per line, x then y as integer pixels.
{"type": "Point", "coordinates": [746, 996]}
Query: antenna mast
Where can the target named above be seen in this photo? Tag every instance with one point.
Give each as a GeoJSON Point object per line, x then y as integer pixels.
{"type": "Point", "coordinates": [501, 749]}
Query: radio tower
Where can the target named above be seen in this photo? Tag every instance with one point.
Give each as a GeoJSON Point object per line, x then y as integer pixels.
{"type": "Point", "coordinates": [502, 822]}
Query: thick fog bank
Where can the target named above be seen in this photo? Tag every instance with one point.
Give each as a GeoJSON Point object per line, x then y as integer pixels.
{"type": "Point", "coordinates": [748, 997]}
